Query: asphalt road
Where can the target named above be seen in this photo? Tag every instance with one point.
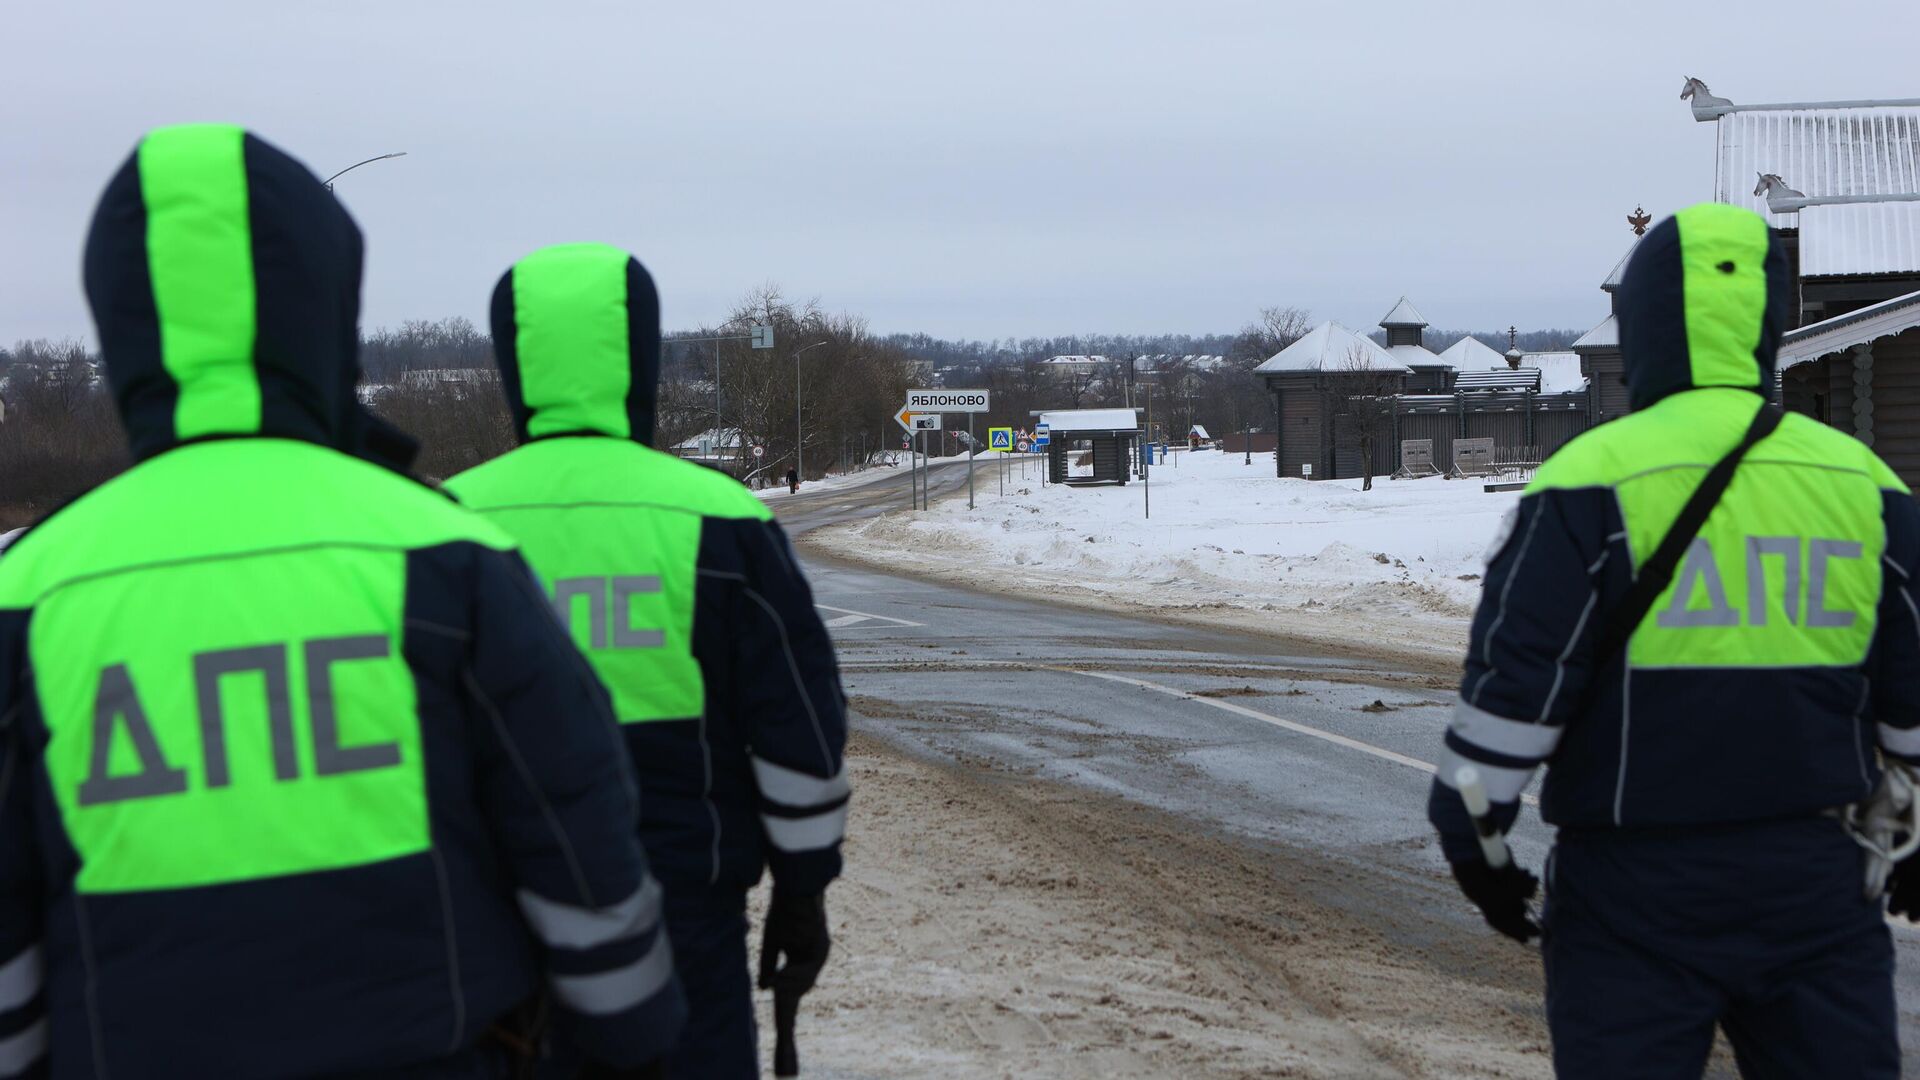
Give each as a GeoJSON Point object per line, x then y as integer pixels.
{"type": "Point", "coordinates": [1278, 743]}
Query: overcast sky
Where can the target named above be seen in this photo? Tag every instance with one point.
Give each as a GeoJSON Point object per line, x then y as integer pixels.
{"type": "Point", "coordinates": [969, 168]}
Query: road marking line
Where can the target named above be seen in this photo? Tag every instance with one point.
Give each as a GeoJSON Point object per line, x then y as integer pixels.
{"type": "Point", "coordinates": [1268, 718]}
{"type": "Point", "coordinates": [849, 617]}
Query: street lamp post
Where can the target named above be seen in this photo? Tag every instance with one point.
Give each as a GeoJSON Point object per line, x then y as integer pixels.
{"type": "Point", "coordinates": [383, 157]}
{"type": "Point", "coordinates": [796, 403]}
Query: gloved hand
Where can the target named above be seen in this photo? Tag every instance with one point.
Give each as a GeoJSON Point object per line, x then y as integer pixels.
{"type": "Point", "coordinates": [1501, 895]}
{"type": "Point", "coordinates": [1903, 889]}
{"type": "Point", "coordinates": [796, 930]}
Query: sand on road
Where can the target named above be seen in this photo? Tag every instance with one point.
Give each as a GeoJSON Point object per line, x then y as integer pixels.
{"type": "Point", "coordinates": [991, 924]}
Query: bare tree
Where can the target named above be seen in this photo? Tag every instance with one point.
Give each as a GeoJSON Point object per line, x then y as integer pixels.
{"type": "Point", "coordinates": [1359, 400]}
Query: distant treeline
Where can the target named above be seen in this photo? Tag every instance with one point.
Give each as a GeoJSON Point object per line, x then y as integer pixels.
{"type": "Point", "coordinates": [59, 435]}
{"type": "Point", "coordinates": [967, 353]}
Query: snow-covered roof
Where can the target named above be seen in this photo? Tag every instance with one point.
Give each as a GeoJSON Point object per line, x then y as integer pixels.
{"type": "Point", "coordinates": [1075, 361]}
{"type": "Point", "coordinates": [1619, 268]}
{"type": "Point", "coordinates": [1839, 148]}
{"type": "Point", "coordinates": [722, 438]}
{"type": "Point", "coordinates": [1500, 378]}
{"type": "Point", "coordinates": [1821, 150]}
{"type": "Point", "coordinates": [1471, 354]}
{"type": "Point", "coordinates": [1815, 340]}
{"type": "Point", "coordinates": [1200, 430]}
{"type": "Point", "coordinates": [1844, 239]}
{"type": "Point", "coordinates": [1403, 314]}
{"type": "Point", "coordinates": [1415, 356]}
{"type": "Point", "coordinates": [1331, 347]}
{"type": "Point", "coordinates": [1604, 336]}
{"type": "Point", "coordinates": [1559, 371]}
{"type": "Point", "coordinates": [1063, 421]}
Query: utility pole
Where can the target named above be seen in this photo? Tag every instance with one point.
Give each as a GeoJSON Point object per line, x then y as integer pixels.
{"type": "Point", "coordinates": [1146, 474]}
{"type": "Point", "coordinates": [761, 337]}
{"type": "Point", "coordinates": [796, 404]}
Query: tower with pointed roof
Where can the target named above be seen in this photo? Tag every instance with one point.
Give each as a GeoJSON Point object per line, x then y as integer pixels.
{"type": "Point", "coordinates": [1406, 332]}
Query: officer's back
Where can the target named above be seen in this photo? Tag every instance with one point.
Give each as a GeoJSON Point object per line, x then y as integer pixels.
{"type": "Point", "coordinates": [684, 594]}
{"type": "Point", "coordinates": [271, 786]}
{"type": "Point", "coordinates": [1701, 874]}
{"type": "Point", "coordinates": [674, 578]}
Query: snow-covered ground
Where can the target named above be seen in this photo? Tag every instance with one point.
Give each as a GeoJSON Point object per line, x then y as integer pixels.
{"type": "Point", "coordinates": [1394, 568]}
{"type": "Point", "coordinates": [777, 488]}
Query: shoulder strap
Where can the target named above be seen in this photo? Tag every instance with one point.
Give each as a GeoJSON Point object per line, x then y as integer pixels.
{"type": "Point", "coordinates": [1657, 572]}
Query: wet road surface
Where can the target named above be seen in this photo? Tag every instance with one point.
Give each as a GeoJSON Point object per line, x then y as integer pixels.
{"type": "Point", "coordinates": [1274, 742]}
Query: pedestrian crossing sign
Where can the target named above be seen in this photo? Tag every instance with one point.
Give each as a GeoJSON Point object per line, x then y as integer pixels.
{"type": "Point", "coordinates": [1000, 439]}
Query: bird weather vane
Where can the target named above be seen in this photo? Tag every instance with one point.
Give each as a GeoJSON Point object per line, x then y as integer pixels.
{"type": "Point", "coordinates": [1639, 219]}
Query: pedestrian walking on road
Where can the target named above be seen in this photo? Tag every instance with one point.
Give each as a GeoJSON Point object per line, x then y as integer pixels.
{"type": "Point", "coordinates": [1703, 622]}
{"type": "Point", "coordinates": [298, 777]}
{"type": "Point", "coordinates": [793, 481]}
{"type": "Point", "coordinates": [688, 601]}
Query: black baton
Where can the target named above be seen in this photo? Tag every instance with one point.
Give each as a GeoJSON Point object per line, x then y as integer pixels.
{"type": "Point", "coordinates": [786, 1059]}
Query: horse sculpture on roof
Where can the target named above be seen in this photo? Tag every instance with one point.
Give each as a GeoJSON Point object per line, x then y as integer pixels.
{"type": "Point", "coordinates": [1706, 106]}
{"type": "Point", "coordinates": [1778, 194]}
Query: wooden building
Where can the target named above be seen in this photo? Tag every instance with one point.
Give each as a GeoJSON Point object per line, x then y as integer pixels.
{"type": "Point", "coordinates": [1841, 182]}
{"type": "Point", "coordinates": [1860, 372]}
{"type": "Point", "coordinates": [1335, 389]}
{"type": "Point", "coordinates": [1599, 352]}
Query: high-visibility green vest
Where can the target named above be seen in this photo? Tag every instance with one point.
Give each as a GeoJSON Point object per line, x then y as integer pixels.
{"type": "Point", "coordinates": [612, 530]}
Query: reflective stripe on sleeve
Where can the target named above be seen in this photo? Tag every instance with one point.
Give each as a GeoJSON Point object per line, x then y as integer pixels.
{"type": "Point", "coordinates": [1503, 785]}
{"type": "Point", "coordinates": [1902, 741]}
{"type": "Point", "coordinates": [1513, 738]}
{"type": "Point", "coordinates": [622, 988]}
{"type": "Point", "coordinates": [20, 978]}
{"type": "Point", "coordinates": [812, 833]}
{"type": "Point", "coordinates": [565, 926]}
{"type": "Point", "coordinates": [791, 787]}
{"type": "Point", "coordinates": [19, 1052]}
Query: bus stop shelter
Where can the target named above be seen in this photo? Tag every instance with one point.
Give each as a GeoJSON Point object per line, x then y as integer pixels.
{"type": "Point", "coordinates": [1105, 439]}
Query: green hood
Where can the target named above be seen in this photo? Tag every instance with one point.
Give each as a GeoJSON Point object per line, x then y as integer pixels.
{"type": "Point", "coordinates": [1703, 303]}
{"type": "Point", "coordinates": [225, 285]}
{"type": "Point", "coordinates": [576, 332]}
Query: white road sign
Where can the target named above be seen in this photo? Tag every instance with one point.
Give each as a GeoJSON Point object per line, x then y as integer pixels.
{"type": "Point", "coordinates": [961, 401]}
{"type": "Point", "coordinates": [926, 421]}
{"type": "Point", "coordinates": [762, 336]}
{"type": "Point", "coordinates": [759, 451]}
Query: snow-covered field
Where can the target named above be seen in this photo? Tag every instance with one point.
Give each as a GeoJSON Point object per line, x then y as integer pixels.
{"type": "Point", "coordinates": [1395, 568]}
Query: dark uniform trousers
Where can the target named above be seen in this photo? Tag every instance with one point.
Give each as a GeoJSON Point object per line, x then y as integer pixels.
{"type": "Point", "coordinates": [708, 928]}
{"type": "Point", "coordinates": [1655, 935]}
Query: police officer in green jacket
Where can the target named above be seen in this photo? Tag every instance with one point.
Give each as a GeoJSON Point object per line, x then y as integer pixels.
{"type": "Point", "coordinates": [1700, 748]}
{"type": "Point", "coordinates": [686, 597]}
{"type": "Point", "coordinates": [299, 777]}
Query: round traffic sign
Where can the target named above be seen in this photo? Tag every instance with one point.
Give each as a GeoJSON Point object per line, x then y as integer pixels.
{"type": "Point", "coordinates": [1024, 445]}
{"type": "Point", "coordinates": [759, 451]}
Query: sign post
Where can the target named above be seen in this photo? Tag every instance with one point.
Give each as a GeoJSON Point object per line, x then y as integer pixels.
{"type": "Point", "coordinates": [967, 401]}
{"type": "Point", "coordinates": [922, 413]}
{"type": "Point", "coordinates": [1043, 440]}
{"type": "Point", "coordinates": [1000, 441]}
{"type": "Point", "coordinates": [970, 450]}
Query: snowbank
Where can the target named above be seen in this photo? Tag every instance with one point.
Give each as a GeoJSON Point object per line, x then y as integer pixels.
{"type": "Point", "coordinates": [1397, 567]}
{"type": "Point", "coordinates": [777, 487]}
